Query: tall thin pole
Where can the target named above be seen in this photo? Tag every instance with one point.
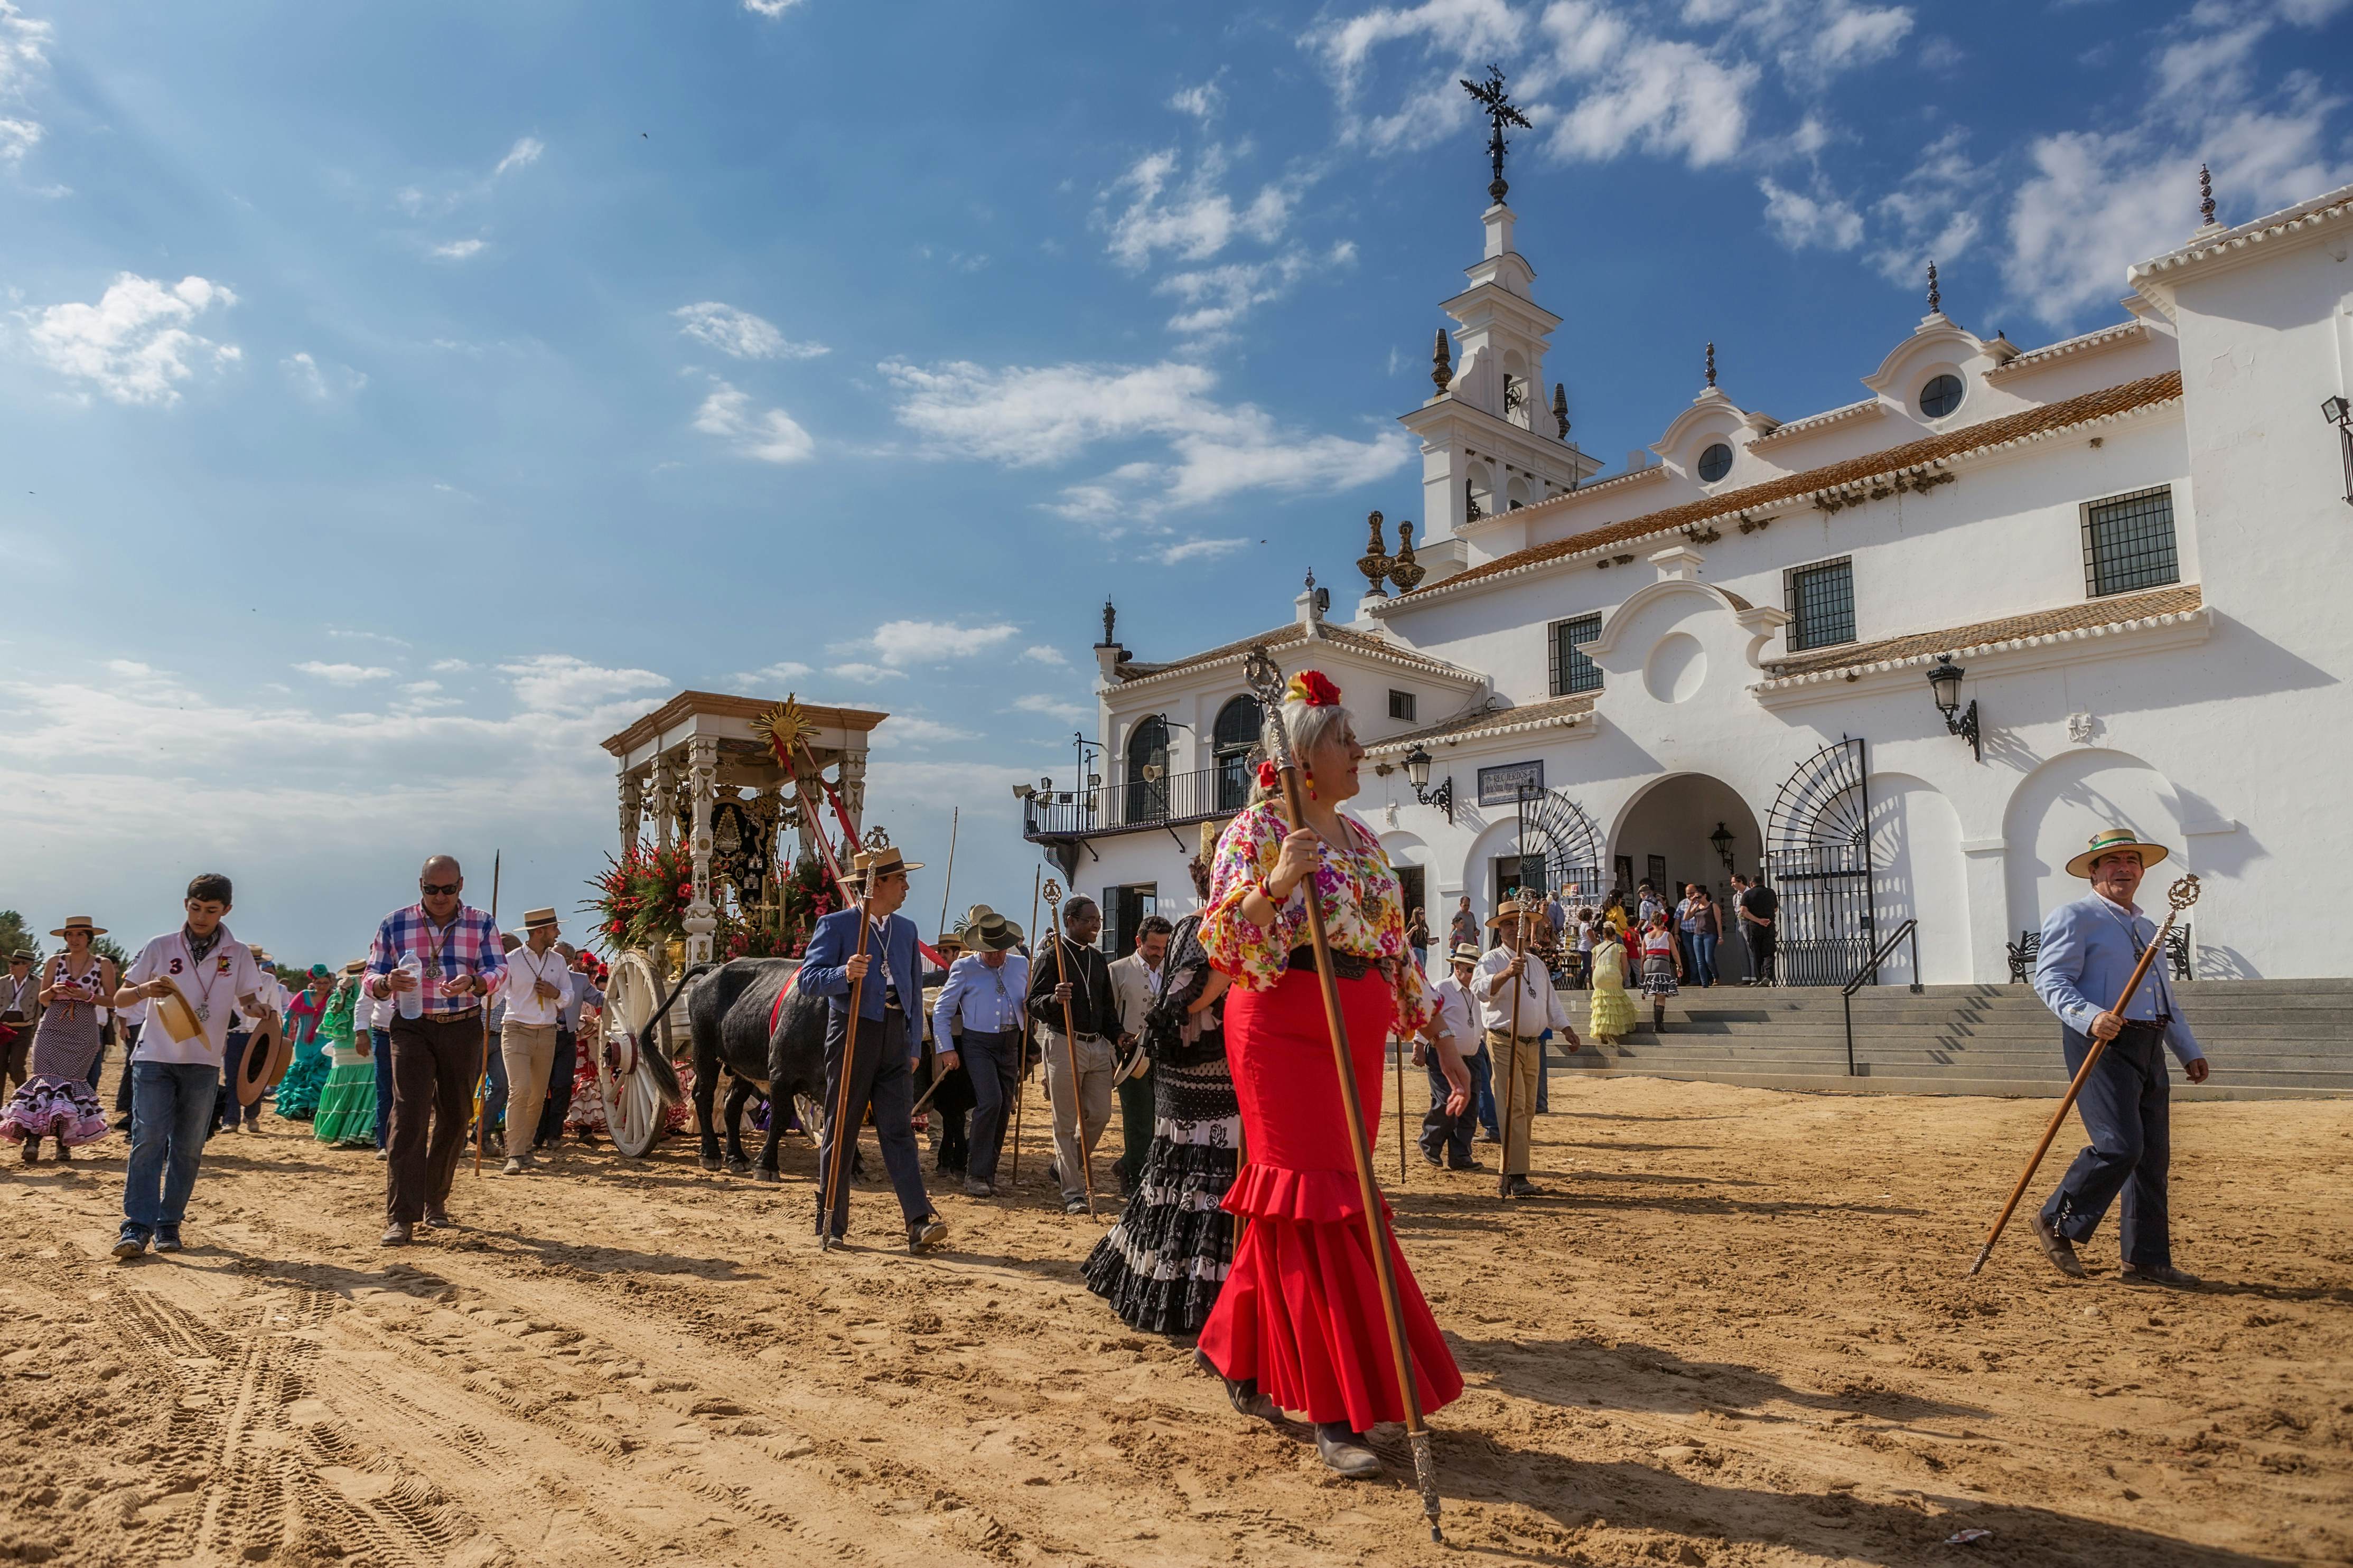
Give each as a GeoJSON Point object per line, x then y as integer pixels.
{"type": "Point", "coordinates": [948, 881]}
{"type": "Point", "coordinates": [1266, 682]}
{"type": "Point", "coordinates": [1021, 1063]}
{"type": "Point", "coordinates": [1519, 984]}
{"type": "Point", "coordinates": [1070, 1043]}
{"type": "Point", "coordinates": [843, 1134]}
{"type": "Point", "coordinates": [482, 1080]}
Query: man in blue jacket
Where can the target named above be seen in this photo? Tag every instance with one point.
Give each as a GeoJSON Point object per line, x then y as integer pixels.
{"type": "Point", "coordinates": [2089, 950]}
{"type": "Point", "coordinates": [889, 1037]}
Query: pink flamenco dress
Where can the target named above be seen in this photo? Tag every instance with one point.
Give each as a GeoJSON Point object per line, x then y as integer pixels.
{"type": "Point", "coordinates": [58, 1101]}
{"type": "Point", "coordinates": [1301, 1313]}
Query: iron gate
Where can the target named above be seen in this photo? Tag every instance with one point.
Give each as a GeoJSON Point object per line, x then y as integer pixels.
{"type": "Point", "coordinates": [1560, 850]}
{"type": "Point", "coordinates": [1817, 862]}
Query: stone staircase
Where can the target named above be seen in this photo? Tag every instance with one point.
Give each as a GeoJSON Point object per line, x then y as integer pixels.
{"type": "Point", "coordinates": [2266, 1038]}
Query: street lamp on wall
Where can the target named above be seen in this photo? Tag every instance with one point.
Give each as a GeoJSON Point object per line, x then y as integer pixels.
{"type": "Point", "coordinates": [1944, 681]}
{"type": "Point", "coordinates": [2339, 413]}
{"type": "Point", "coordinates": [1417, 772]}
{"type": "Point", "coordinates": [1722, 839]}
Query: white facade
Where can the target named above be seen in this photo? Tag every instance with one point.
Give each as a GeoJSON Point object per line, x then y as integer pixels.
{"type": "Point", "coordinates": [2207, 711]}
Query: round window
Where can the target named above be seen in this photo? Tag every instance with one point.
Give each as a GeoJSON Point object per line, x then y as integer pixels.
{"type": "Point", "coordinates": [1715, 462]}
{"type": "Point", "coordinates": [1940, 396]}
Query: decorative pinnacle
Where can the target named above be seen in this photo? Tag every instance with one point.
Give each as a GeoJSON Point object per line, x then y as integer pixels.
{"type": "Point", "coordinates": [1375, 561]}
{"type": "Point", "coordinates": [1500, 112]}
{"type": "Point", "coordinates": [1441, 363]}
{"type": "Point", "coordinates": [1560, 408]}
{"type": "Point", "coordinates": [2205, 194]}
{"type": "Point", "coordinates": [1404, 571]}
{"type": "Point", "coordinates": [1935, 296]}
{"type": "Point", "coordinates": [1110, 619]}
{"type": "Point", "coordinates": [1711, 364]}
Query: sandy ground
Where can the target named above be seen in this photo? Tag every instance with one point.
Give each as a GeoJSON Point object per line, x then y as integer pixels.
{"type": "Point", "coordinates": [1736, 1331]}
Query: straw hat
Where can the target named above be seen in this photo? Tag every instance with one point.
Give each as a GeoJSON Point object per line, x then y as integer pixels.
{"type": "Point", "coordinates": [2108, 841]}
{"type": "Point", "coordinates": [874, 865]}
{"type": "Point", "coordinates": [533, 919]}
{"type": "Point", "coordinates": [1464, 952]}
{"type": "Point", "coordinates": [80, 923]}
{"type": "Point", "coordinates": [20, 956]}
{"type": "Point", "coordinates": [1510, 909]}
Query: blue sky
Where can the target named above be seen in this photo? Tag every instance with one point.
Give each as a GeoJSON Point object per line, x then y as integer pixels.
{"type": "Point", "coordinates": [395, 400]}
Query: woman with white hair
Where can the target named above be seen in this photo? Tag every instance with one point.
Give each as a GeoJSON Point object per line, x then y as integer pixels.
{"type": "Point", "coordinates": [1299, 1325]}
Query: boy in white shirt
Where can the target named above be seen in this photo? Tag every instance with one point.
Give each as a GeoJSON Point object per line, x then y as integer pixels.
{"type": "Point", "coordinates": [176, 1083]}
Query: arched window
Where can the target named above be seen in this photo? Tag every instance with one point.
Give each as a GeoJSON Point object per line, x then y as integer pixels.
{"type": "Point", "coordinates": [1231, 738]}
{"type": "Point", "coordinates": [1147, 748]}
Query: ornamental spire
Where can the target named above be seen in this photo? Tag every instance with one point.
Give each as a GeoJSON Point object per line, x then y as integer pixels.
{"type": "Point", "coordinates": [1441, 365]}
{"type": "Point", "coordinates": [1711, 364]}
{"type": "Point", "coordinates": [1560, 408]}
{"type": "Point", "coordinates": [2206, 195]}
{"type": "Point", "coordinates": [1500, 112]}
{"type": "Point", "coordinates": [1935, 296]}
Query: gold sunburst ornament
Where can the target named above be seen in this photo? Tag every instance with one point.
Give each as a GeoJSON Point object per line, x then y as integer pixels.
{"type": "Point", "coordinates": [786, 728]}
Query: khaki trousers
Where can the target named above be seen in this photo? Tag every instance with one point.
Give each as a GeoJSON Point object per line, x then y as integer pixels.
{"type": "Point", "coordinates": [1093, 1100]}
{"type": "Point", "coordinates": [530, 1053]}
{"type": "Point", "coordinates": [1517, 1067]}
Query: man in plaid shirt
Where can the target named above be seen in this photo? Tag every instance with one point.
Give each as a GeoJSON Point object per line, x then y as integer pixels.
{"type": "Point", "coordinates": [436, 1059]}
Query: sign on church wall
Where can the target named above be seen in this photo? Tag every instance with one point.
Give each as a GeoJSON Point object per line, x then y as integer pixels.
{"type": "Point", "coordinates": [1502, 786]}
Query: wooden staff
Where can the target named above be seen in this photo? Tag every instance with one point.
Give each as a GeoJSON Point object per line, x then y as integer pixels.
{"type": "Point", "coordinates": [955, 815]}
{"type": "Point", "coordinates": [483, 1082]}
{"type": "Point", "coordinates": [1021, 1063]}
{"type": "Point", "coordinates": [1512, 1047]}
{"type": "Point", "coordinates": [2180, 897]}
{"type": "Point", "coordinates": [1071, 1042]}
{"type": "Point", "coordinates": [839, 1166]}
{"type": "Point", "coordinates": [1266, 681]}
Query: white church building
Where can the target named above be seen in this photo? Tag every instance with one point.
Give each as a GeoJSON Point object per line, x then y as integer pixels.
{"type": "Point", "coordinates": [2127, 553]}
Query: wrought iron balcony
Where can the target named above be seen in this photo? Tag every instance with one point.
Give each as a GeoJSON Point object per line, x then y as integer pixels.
{"type": "Point", "coordinates": [1137, 806]}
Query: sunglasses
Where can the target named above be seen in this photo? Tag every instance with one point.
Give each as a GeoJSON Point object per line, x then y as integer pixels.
{"type": "Point", "coordinates": [437, 887]}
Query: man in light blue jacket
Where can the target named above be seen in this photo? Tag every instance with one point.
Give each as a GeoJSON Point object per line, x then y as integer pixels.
{"type": "Point", "coordinates": [2089, 950]}
{"type": "Point", "coordinates": [880, 1067]}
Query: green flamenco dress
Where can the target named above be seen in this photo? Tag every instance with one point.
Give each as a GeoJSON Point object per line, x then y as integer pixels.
{"type": "Point", "coordinates": [346, 1115]}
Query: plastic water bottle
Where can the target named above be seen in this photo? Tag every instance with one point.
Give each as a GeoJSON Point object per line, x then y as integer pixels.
{"type": "Point", "coordinates": [412, 1001]}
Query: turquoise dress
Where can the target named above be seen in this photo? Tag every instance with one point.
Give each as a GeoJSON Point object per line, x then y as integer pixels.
{"type": "Point", "coordinates": [306, 1073]}
{"type": "Point", "coordinates": [346, 1114]}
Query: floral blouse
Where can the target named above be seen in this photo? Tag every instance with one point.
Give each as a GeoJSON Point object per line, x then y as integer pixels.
{"type": "Point", "coordinates": [1364, 911]}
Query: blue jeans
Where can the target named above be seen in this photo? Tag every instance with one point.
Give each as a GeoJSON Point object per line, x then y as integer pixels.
{"type": "Point", "coordinates": [170, 1107]}
{"type": "Point", "coordinates": [1702, 968]}
{"type": "Point", "coordinates": [1482, 1092]}
{"type": "Point", "coordinates": [380, 1055]}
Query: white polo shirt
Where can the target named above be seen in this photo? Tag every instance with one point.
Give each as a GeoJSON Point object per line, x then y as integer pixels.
{"type": "Point", "coordinates": [523, 1003]}
{"type": "Point", "coordinates": [212, 988]}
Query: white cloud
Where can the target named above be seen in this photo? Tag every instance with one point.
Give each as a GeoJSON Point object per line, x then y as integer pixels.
{"type": "Point", "coordinates": [1202, 102]}
{"type": "Point", "coordinates": [1821, 220]}
{"type": "Point", "coordinates": [350, 635]}
{"type": "Point", "coordinates": [904, 730]}
{"type": "Point", "coordinates": [1044, 653]}
{"type": "Point", "coordinates": [1216, 297]}
{"type": "Point", "coordinates": [24, 43]}
{"type": "Point", "coordinates": [773, 675]}
{"type": "Point", "coordinates": [1936, 213]}
{"type": "Point", "coordinates": [522, 155]}
{"type": "Point", "coordinates": [1027, 416]}
{"type": "Point", "coordinates": [16, 139]}
{"type": "Point", "coordinates": [1451, 38]}
{"type": "Point", "coordinates": [771, 436]}
{"type": "Point", "coordinates": [740, 332]}
{"type": "Point", "coordinates": [1197, 219]}
{"type": "Point", "coordinates": [321, 383]}
{"type": "Point", "coordinates": [902, 642]}
{"type": "Point", "coordinates": [864, 674]}
{"type": "Point", "coordinates": [459, 250]}
{"type": "Point", "coordinates": [344, 674]}
{"type": "Point", "coordinates": [420, 687]}
{"type": "Point", "coordinates": [1052, 706]}
{"type": "Point", "coordinates": [1200, 550]}
{"type": "Point", "coordinates": [559, 682]}
{"type": "Point", "coordinates": [449, 666]}
{"type": "Point", "coordinates": [1662, 96]}
{"type": "Point", "coordinates": [133, 345]}
{"type": "Point", "coordinates": [769, 8]}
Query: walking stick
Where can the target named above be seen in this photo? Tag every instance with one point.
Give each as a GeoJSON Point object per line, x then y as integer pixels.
{"type": "Point", "coordinates": [843, 1134]}
{"type": "Point", "coordinates": [1021, 1064]}
{"type": "Point", "coordinates": [1512, 1047]}
{"type": "Point", "coordinates": [1266, 681]}
{"type": "Point", "coordinates": [483, 1082]}
{"type": "Point", "coordinates": [1400, 1102]}
{"type": "Point", "coordinates": [2178, 897]}
{"type": "Point", "coordinates": [1070, 1041]}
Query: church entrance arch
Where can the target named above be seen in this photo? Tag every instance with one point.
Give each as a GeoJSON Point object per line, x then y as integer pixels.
{"type": "Point", "coordinates": [1818, 859]}
{"type": "Point", "coordinates": [1667, 836]}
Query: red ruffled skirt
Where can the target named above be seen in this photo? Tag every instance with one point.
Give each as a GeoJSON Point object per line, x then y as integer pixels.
{"type": "Point", "coordinates": [1301, 1311]}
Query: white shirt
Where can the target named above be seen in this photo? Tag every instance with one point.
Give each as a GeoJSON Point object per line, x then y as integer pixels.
{"type": "Point", "coordinates": [1540, 1007]}
{"type": "Point", "coordinates": [523, 1003]}
{"type": "Point", "coordinates": [368, 1012]}
{"type": "Point", "coordinates": [1135, 987]}
{"type": "Point", "coordinates": [212, 988]}
{"type": "Point", "coordinates": [1456, 1015]}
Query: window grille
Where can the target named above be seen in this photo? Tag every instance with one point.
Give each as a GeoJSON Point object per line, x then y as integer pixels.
{"type": "Point", "coordinates": [1400, 704]}
{"type": "Point", "coordinates": [2128, 542]}
{"type": "Point", "coordinates": [1821, 602]}
{"type": "Point", "coordinates": [1572, 672]}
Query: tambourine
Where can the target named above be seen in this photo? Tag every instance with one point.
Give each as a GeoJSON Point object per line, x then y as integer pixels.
{"type": "Point", "coordinates": [253, 1068]}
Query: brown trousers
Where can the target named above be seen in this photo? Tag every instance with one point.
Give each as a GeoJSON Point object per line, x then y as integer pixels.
{"type": "Point", "coordinates": [434, 1066]}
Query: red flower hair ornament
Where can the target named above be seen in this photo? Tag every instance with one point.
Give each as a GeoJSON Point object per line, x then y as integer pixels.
{"type": "Point", "coordinates": [1313, 688]}
{"type": "Point", "coordinates": [1267, 777]}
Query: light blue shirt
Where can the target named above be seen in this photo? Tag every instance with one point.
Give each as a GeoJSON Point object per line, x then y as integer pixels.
{"type": "Point", "coordinates": [2089, 949]}
{"type": "Point", "coordinates": [892, 947]}
{"type": "Point", "coordinates": [984, 1000]}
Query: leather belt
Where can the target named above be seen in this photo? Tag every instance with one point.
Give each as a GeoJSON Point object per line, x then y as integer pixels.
{"type": "Point", "coordinates": [1344, 965]}
{"type": "Point", "coordinates": [457, 1017]}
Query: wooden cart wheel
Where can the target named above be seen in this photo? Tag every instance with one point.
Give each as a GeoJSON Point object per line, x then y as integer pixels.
{"type": "Point", "coordinates": [635, 1101]}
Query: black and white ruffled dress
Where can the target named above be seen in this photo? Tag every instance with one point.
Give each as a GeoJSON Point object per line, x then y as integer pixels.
{"type": "Point", "coordinates": [1163, 1264]}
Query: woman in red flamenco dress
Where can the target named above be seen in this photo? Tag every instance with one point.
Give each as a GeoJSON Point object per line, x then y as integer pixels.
{"type": "Point", "coordinates": [1299, 1325]}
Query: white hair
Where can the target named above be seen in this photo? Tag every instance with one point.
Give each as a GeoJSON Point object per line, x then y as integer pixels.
{"type": "Point", "coordinates": [1308, 727]}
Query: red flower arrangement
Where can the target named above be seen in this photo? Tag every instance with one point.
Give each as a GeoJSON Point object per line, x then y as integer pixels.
{"type": "Point", "coordinates": [1314, 688]}
{"type": "Point", "coordinates": [641, 898]}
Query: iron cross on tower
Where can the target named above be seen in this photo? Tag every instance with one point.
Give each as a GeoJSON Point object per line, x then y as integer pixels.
{"type": "Point", "coordinates": [1500, 112]}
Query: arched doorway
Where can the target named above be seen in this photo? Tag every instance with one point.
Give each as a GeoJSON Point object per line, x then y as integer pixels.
{"type": "Point", "coordinates": [1232, 738]}
{"type": "Point", "coordinates": [1147, 771]}
{"type": "Point", "coordinates": [1667, 836]}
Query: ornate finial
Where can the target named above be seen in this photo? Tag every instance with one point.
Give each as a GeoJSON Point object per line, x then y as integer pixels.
{"type": "Point", "coordinates": [1441, 363]}
{"type": "Point", "coordinates": [1311, 579]}
{"type": "Point", "coordinates": [2205, 194]}
{"type": "Point", "coordinates": [1560, 408]}
{"type": "Point", "coordinates": [1935, 295]}
{"type": "Point", "coordinates": [1711, 364]}
{"type": "Point", "coordinates": [1403, 570]}
{"type": "Point", "coordinates": [1375, 561]}
{"type": "Point", "coordinates": [1110, 619]}
{"type": "Point", "coordinates": [1500, 112]}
